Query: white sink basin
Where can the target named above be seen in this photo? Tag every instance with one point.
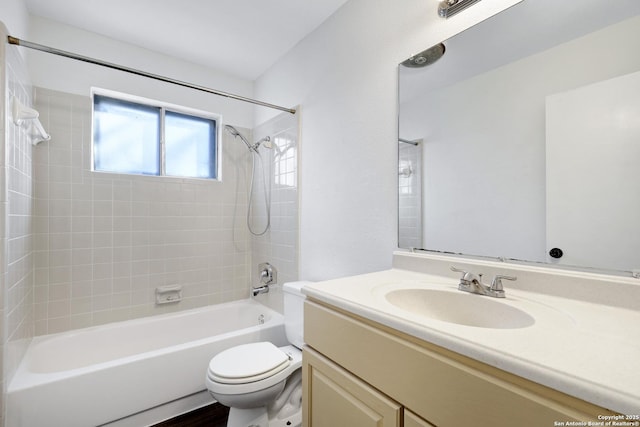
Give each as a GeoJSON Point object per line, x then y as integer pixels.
{"type": "Point", "coordinates": [460, 308]}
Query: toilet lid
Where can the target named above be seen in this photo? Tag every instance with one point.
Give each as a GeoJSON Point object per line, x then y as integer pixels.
{"type": "Point", "coordinates": [247, 363]}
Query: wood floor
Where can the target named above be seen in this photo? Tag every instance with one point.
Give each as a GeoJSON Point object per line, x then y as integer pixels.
{"type": "Point", "coordinates": [214, 415]}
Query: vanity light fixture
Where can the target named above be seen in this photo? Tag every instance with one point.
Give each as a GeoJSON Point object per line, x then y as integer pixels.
{"type": "Point", "coordinates": [448, 8]}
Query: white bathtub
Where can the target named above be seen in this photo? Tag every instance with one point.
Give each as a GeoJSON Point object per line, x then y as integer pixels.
{"type": "Point", "coordinates": [97, 375]}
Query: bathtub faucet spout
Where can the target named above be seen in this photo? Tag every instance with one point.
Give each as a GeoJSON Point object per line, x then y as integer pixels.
{"type": "Point", "coordinates": [260, 290]}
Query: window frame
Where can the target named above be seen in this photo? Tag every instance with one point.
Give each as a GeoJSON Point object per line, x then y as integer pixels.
{"type": "Point", "coordinates": [163, 107]}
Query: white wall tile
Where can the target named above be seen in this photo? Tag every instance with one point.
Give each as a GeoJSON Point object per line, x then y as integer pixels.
{"type": "Point", "coordinates": [105, 241]}
{"type": "Point", "coordinates": [279, 245]}
{"type": "Point", "coordinates": [16, 210]}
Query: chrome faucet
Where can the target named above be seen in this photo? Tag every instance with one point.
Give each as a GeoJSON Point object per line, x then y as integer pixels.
{"type": "Point", "coordinates": [260, 290]}
{"type": "Point", "coordinates": [268, 276]}
{"type": "Point", "coordinates": [470, 282]}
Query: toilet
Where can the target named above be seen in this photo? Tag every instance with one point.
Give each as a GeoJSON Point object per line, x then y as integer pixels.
{"type": "Point", "coordinates": [262, 383]}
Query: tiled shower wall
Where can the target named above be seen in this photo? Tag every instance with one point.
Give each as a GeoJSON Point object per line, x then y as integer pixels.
{"type": "Point", "coordinates": [16, 254]}
{"type": "Point", "coordinates": [80, 248]}
{"type": "Point", "coordinates": [104, 242]}
{"type": "Point", "coordinates": [410, 195]}
{"type": "Point", "coordinates": [279, 245]}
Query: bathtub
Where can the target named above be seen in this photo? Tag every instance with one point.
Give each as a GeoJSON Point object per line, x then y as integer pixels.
{"type": "Point", "coordinates": [94, 376]}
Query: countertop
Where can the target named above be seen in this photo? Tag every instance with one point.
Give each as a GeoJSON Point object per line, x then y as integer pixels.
{"type": "Point", "coordinates": [587, 350]}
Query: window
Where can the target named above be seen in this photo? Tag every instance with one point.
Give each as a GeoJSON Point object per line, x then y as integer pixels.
{"type": "Point", "coordinates": [138, 137]}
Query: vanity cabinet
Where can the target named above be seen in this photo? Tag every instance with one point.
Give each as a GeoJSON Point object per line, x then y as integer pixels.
{"type": "Point", "coordinates": [335, 397]}
{"type": "Point", "coordinates": [360, 373]}
{"type": "Point", "coordinates": [412, 420]}
{"type": "Point", "coordinates": [340, 399]}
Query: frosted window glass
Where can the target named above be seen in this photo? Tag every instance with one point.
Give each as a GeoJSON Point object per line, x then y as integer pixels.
{"type": "Point", "coordinates": [126, 137]}
{"type": "Point", "coordinates": [190, 146]}
{"type": "Point", "coordinates": [149, 139]}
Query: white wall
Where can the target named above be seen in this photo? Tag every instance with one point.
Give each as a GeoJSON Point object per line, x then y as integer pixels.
{"type": "Point", "coordinates": [344, 76]}
{"type": "Point", "coordinates": [53, 72]}
{"type": "Point", "coordinates": [15, 17]}
{"type": "Point", "coordinates": [592, 175]}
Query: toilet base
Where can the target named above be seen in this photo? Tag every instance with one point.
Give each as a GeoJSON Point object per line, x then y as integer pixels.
{"type": "Point", "coordinates": [258, 417]}
{"type": "Point", "coordinates": [254, 417]}
{"type": "Point", "coordinates": [284, 411]}
{"type": "Point", "coordinates": [294, 420]}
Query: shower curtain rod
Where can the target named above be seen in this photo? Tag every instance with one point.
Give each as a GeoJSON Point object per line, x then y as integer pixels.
{"type": "Point", "coordinates": [47, 49]}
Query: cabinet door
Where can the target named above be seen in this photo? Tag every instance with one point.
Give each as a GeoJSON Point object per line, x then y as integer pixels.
{"type": "Point", "coordinates": [333, 397]}
{"type": "Point", "coordinates": [412, 420]}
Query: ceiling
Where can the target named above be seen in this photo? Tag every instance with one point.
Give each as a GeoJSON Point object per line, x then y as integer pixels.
{"type": "Point", "coordinates": [240, 37]}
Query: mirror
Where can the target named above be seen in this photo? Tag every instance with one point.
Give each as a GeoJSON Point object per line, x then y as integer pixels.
{"type": "Point", "coordinates": [522, 141]}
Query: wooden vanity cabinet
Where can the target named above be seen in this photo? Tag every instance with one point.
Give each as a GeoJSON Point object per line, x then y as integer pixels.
{"type": "Point", "coordinates": [335, 397]}
{"type": "Point", "coordinates": [340, 399]}
{"type": "Point", "coordinates": [358, 373]}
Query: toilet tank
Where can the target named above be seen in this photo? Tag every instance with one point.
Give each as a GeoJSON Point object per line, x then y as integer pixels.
{"type": "Point", "coordinates": [293, 312]}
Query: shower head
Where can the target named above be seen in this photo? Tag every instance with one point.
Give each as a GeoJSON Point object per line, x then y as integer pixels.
{"type": "Point", "coordinates": [233, 131]}
{"type": "Point", "coordinates": [265, 142]}
{"type": "Point", "coordinates": [426, 57]}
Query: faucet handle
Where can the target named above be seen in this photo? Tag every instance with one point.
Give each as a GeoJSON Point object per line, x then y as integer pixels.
{"type": "Point", "coordinates": [466, 275]}
{"type": "Point", "coordinates": [458, 270]}
{"type": "Point", "coordinates": [496, 283]}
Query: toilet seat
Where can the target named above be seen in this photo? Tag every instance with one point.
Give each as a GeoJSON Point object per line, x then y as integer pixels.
{"type": "Point", "coordinates": [248, 363]}
{"type": "Point", "coordinates": [220, 381]}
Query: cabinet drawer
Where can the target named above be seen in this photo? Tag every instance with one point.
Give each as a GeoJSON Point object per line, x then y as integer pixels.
{"type": "Point", "coordinates": [438, 385]}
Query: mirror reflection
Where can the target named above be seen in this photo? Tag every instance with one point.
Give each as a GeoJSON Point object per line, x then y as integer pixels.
{"type": "Point", "coordinates": [522, 139]}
